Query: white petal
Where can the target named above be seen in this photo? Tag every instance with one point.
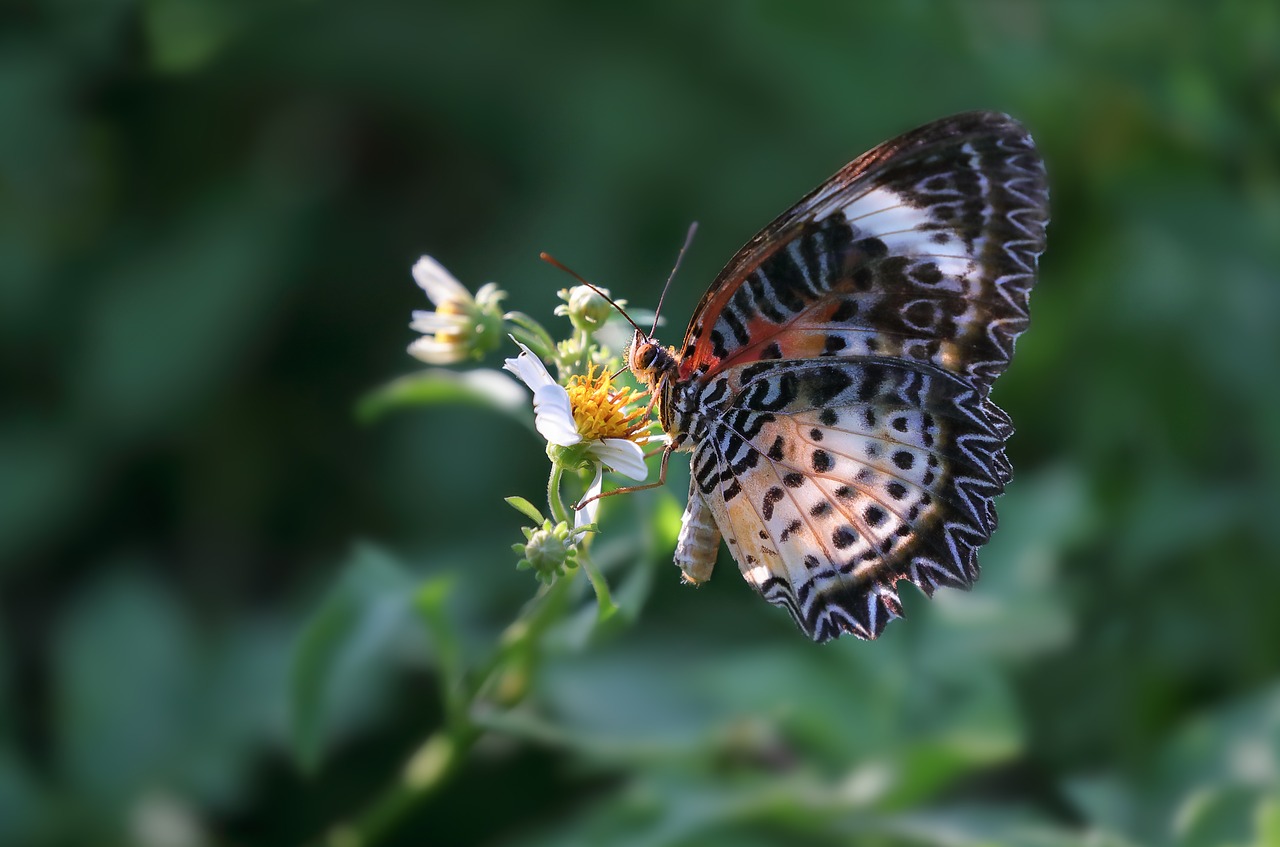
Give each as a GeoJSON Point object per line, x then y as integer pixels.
{"type": "Point", "coordinates": [587, 514]}
{"type": "Point", "coordinates": [439, 284]}
{"type": "Point", "coordinates": [623, 456]}
{"type": "Point", "coordinates": [530, 369]}
{"type": "Point", "coordinates": [432, 322]}
{"type": "Point", "coordinates": [553, 416]}
{"type": "Point", "coordinates": [436, 352]}
{"type": "Point", "coordinates": [489, 294]}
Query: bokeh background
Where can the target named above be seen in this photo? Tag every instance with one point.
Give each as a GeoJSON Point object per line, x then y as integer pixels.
{"type": "Point", "coordinates": [212, 569]}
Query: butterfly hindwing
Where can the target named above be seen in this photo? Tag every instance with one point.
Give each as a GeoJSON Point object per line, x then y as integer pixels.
{"type": "Point", "coordinates": [833, 479]}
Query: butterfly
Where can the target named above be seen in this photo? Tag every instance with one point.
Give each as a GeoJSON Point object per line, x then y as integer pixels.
{"type": "Point", "coordinates": [833, 384]}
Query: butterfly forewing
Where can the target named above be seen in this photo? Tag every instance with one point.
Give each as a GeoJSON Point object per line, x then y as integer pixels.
{"type": "Point", "coordinates": [924, 248]}
{"type": "Point", "coordinates": [834, 380]}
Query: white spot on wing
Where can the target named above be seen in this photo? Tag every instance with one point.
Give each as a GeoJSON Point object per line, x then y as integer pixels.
{"type": "Point", "coordinates": [882, 203]}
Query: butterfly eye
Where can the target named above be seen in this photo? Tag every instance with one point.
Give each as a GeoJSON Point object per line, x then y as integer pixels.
{"type": "Point", "coordinates": [645, 356]}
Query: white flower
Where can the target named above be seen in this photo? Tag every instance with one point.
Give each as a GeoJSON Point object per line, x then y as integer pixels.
{"type": "Point", "coordinates": [462, 326]}
{"type": "Point", "coordinates": [586, 413]}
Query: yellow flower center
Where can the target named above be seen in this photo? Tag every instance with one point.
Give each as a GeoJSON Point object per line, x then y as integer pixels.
{"type": "Point", "coordinates": [450, 336]}
{"type": "Point", "coordinates": [601, 413]}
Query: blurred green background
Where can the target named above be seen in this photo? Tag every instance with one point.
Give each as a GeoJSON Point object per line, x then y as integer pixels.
{"type": "Point", "coordinates": [208, 212]}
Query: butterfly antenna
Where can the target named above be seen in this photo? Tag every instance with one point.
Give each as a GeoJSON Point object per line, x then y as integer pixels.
{"type": "Point", "coordinates": [554, 262]}
{"type": "Point", "coordinates": [688, 239]}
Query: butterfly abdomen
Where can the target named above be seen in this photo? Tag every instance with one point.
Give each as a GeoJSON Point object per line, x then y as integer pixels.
{"type": "Point", "coordinates": [699, 541]}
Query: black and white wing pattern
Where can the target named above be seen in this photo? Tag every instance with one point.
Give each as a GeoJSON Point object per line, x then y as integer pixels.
{"type": "Point", "coordinates": [835, 380]}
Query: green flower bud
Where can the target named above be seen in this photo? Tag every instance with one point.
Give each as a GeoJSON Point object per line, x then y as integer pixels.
{"type": "Point", "coordinates": [586, 309]}
{"type": "Point", "coordinates": [548, 550]}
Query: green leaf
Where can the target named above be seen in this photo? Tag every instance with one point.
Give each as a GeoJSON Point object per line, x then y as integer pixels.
{"type": "Point", "coordinates": [429, 602]}
{"type": "Point", "coordinates": [125, 662]}
{"type": "Point", "coordinates": [668, 518]}
{"type": "Point", "coordinates": [21, 801]}
{"type": "Point", "coordinates": [21, 796]}
{"type": "Point", "coordinates": [185, 35]}
{"type": "Point", "coordinates": [151, 351]}
{"type": "Point", "coordinates": [986, 826]}
{"type": "Point", "coordinates": [344, 645]}
{"type": "Point", "coordinates": [1214, 815]}
{"type": "Point", "coordinates": [1104, 800]}
{"type": "Point", "coordinates": [1213, 783]}
{"type": "Point", "coordinates": [145, 698]}
{"type": "Point", "coordinates": [532, 335]}
{"type": "Point", "coordinates": [42, 486]}
{"type": "Point", "coordinates": [484, 387]}
{"type": "Point", "coordinates": [1019, 611]}
{"type": "Point", "coordinates": [527, 509]}
{"type": "Point", "coordinates": [1267, 819]}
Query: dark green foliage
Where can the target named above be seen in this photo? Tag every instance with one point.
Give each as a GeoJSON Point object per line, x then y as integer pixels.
{"type": "Point", "coordinates": [208, 213]}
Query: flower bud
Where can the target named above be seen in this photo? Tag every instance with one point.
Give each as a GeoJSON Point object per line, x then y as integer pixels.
{"type": "Point", "coordinates": [586, 309]}
{"type": "Point", "coordinates": [547, 550]}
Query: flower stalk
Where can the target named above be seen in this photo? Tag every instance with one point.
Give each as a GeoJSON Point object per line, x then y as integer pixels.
{"type": "Point", "coordinates": [590, 426]}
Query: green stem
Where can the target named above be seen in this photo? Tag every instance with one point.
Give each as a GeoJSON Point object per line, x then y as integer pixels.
{"type": "Point", "coordinates": [604, 600]}
{"type": "Point", "coordinates": [584, 351]}
{"type": "Point", "coordinates": [559, 513]}
{"type": "Point", "coordinates": [436, 759]}
{"type": "Point", "coordinates": [523, 632]}
{"type": "Point", "coordinates": [426, 770]}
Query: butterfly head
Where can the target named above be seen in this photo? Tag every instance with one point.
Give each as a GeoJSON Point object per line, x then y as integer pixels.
{"type": "Point", "coordinates": [649, 360]}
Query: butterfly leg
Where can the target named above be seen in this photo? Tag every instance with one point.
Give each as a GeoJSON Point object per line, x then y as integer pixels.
{"type": "Point", "coordinates": [699, 539]}
{"type": "Point", "coordinates": [662, 480]}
